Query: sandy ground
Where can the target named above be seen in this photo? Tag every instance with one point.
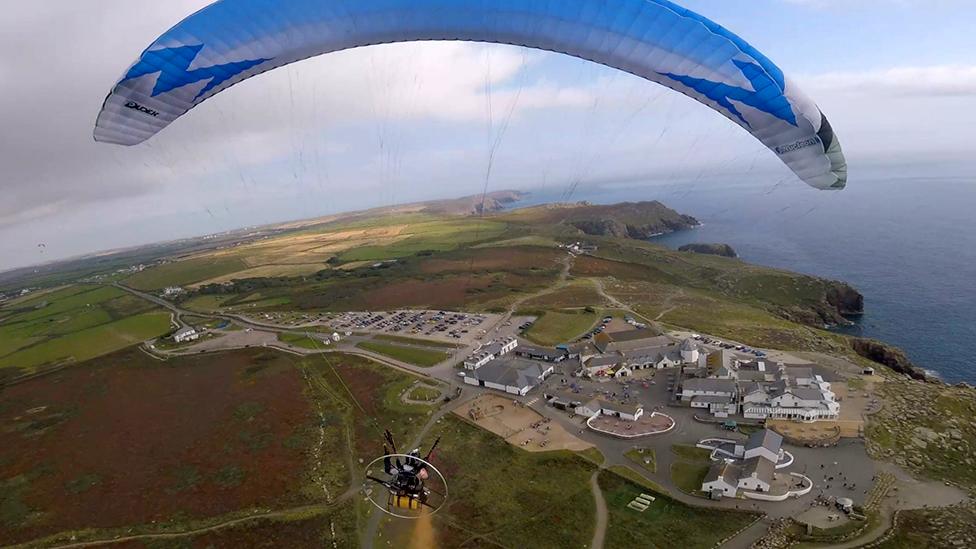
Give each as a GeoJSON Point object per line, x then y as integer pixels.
{"type": "Point", "coordinates": [515, 425]}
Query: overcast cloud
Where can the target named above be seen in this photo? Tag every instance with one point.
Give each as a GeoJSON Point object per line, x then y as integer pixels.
{"type": "Point", "coordinates": [403, 122]}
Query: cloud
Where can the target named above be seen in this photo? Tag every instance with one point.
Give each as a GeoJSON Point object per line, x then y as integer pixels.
{"type": "Point", "coordinates": [945, 80]}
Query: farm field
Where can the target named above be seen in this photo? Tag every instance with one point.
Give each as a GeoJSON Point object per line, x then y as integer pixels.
{"type": "Point", "coordinates": [411, 355]}
{"type": "Point", "coordinates": [555, 327]}
{"type": "Point", "coordinates": [75, 324]}
{"type": "Point", "coordinates": [666, 523]}
{"type": "Point", "coordinates": [185, 272]}
{"type": "Point", "coordinates": [436, 235]}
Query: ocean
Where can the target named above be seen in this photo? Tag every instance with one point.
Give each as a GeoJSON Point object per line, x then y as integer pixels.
{"type": "Point", "coordinates": [908, 245]}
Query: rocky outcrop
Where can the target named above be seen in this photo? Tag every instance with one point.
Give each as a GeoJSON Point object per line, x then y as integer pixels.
{"type": "Point", "coordinates": [885, 354]}
{"type": "Point", "coordinates": [723, 250]}
{"type": "Point", "coordinates": [638, 220]}
{"type": "Point", "coordinates": [845, 299]}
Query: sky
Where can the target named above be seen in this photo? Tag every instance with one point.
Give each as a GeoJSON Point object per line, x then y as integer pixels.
{"type": "Point", "coordinates": [395, 123]}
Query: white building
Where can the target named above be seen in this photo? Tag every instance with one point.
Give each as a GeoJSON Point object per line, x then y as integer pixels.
{"type": "Point", "coordinates": [186, 334]}
{"type": "Point", "coordinates": [511, 375]}
{"type": "Point", "coordinates": [757, 474]}
{"type": "Point", "coordinates": [766, 444]}
{"type": "Point", "coordinates": [722, 480]}
{"type": "Point", "coordinates": [490, 351]}
{"type": "Point", "coordinates": [690, 351]}
{"type": "Point", "coordinates": [630, 412]}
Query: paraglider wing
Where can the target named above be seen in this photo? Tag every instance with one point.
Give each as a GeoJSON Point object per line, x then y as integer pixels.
{"type": "Point", "coordinates": [232, 40]}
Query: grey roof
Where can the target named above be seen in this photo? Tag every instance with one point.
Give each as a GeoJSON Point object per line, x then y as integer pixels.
{"type": "Point", "coordinates": [712, 399]}
{"type": "Point", "coordinates": [532, 350]}
{"type": "Point", "coordinates": [689, 345]}
{"type": "Point", "coordinates": [653, 354]}
{"type": "Point", "coordinates": [512, 372]}
{"type": "Point", "coordinates": [720, 358]}
{"type": "Point", "coordinates": [767, 439]}
{"type": "Point", "coordinates": [623, 408]}
{"type": "Point", "coordinates": [751, 375]}
{"type": "Point", "coordinates": [605, 360]}
{"type": "Point", "coordinates": [710, 385]}
{"type": "Point", "coordinates": [750, 387]}
{"type": "Point", "coordinates": [630, 340]}
{"type": "Point", "coordinates": [806, 393]}
{"type": "Point", "coordinates": [724, 470]}
{"type": "Point", "coordinates": [762, 467]}
{"type": "Point", "coordinates": [184, 331]}
{"type": "Point", "coordinates": [796, 372]}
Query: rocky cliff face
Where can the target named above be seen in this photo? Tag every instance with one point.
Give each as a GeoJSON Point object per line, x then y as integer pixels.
{"type": "Point", "coordinates": [889, 356]}
{"type": "Point", "coordinates": [831, 304]}
{"type": "Point", "coordinates": [723, 250]}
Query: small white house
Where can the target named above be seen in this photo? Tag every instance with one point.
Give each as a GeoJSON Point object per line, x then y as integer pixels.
{"type": "Point", "coordinates": [335, 336]}
{"type": "Point", "coordinates": [722, 479]}
{"type": "Point", "coordinates": [757, 475]}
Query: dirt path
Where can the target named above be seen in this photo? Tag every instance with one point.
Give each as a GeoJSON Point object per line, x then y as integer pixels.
{"type": "Point", "coordinates": [281, 513]}
{"type": "Point", "coordinates": [600, 530]}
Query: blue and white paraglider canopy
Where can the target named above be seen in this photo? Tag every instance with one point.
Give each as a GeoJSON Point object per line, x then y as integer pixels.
{"type": "Point", "coordinates": [232, 40]}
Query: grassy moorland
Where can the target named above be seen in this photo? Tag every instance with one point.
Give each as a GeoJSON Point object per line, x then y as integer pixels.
{"type": "Point", "coordinates": [205, 461]}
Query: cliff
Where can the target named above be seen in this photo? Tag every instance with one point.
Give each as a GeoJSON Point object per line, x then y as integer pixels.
{"type": "Point", "coordinates": [889, 356]}
{"type": "Point", "coordinates": [723, 250]}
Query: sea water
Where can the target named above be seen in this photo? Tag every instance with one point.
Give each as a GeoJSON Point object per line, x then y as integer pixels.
{"type": "Point", "coordinates": [908, 245]}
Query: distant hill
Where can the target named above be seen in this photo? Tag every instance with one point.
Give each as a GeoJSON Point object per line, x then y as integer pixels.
{"type": "Point", "coordinates": [638, 220]}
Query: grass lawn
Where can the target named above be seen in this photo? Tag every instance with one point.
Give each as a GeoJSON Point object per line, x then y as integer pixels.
{"type": "Point", "coordinates": [424, 392]}
{"type": "Point", "coordinates": [415, 341]}
{"type": "Point", "coordinates": [688, 476]}
{"type": "Point", "coordinates": [593, 454]}
{"type": "Point", "coordinates": [644, 457]}
{"type": "Point", "coordinates": [555, 327]}
{"type": "Point", "coordinates": [665, 523]}
{"type": "Point", "coordinates": [692, 453]}
{"type": "Point", "coordinates": [301, 340]}
{"type": "Point", "coordinates": [410, 355]}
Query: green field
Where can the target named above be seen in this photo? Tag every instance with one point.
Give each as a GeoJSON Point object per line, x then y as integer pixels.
{"type": "Point", "coordinates": [75, 323]}
{"type": "Point", "coordinates": [666, 523]}
{"type": "Point", "coordinates": [301, 340]}
{"type": "Point", "coordinates": [410, 355]}
{"type": "Point", "coordinates": [555, 327]}
{"type": "Point", "coordinates": [188, 271]}
{"type": "Point", "coordinates": [504, 495]}
{"type": "Point", "coordinates": [689, 471]}
{"type": "Point", "coordinates": [416, 341]}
